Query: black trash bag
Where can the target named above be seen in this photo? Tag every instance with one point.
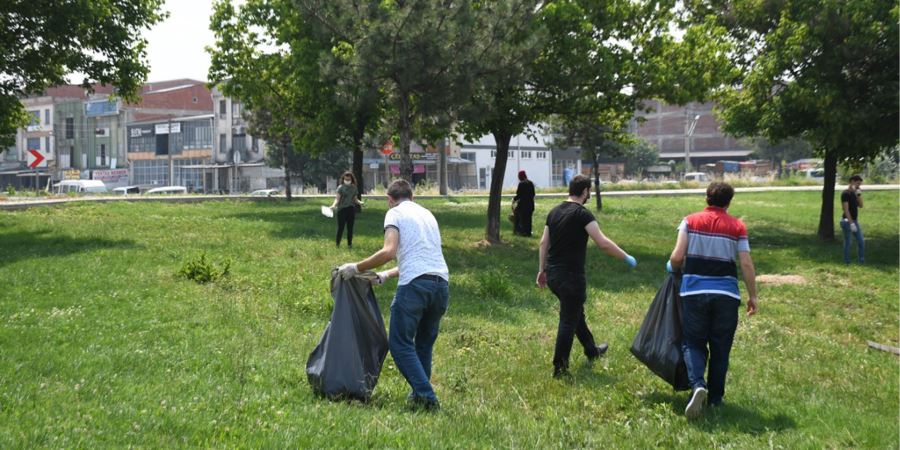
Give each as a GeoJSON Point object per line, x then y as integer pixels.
{"type": "Point", "coordinates": [658, 342]}
{"type": "Point", "coordinates": [347, 361]}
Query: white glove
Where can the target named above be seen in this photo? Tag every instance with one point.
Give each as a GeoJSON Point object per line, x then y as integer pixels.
{"type": "Point", "coordinates": [853, 227]}
{"type": "Point", "coordinates": [381, 277]}
{"type": "Point", "coordinates": [348, 271]}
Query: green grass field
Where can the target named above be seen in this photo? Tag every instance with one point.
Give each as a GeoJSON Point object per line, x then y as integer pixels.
{"type": "Point", "coordinates": [102, 344]}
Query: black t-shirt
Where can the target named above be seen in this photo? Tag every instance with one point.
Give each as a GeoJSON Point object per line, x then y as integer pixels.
{"type": "Point", "coordinates": [852, 205]}
{"type": "Point", "coordinates": [568, 238]}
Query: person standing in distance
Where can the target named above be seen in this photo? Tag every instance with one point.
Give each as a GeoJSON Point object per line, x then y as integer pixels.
{"type": "Point", "coordinates": [561, 267]}
{"type": "Point", "coordinates": [851, 201]}
{"type": "Point", "coordinates": [707, 245]}
{"type": "Point", "coordinates": [411, 235]}
{"type": "Point", "coordinates": [525, 205]}
{"type": "Point", "coordinates": [345, 202]}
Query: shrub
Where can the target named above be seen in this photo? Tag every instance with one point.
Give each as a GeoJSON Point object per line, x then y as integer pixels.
{"type": "Point", "coordinates": [204, 271]}
{"type": "Point", "coordinates": [10, 190]}
{"type": "Point", "coordinates": [493, 284]}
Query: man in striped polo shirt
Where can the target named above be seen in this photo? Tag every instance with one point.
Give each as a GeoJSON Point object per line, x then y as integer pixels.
{"type": "Point", "coordinates": [708, 244]}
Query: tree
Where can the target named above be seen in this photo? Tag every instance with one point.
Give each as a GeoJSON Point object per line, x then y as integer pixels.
{"type": "Point", "coordinates": [602, 135]}
{"type": "Point", "coordinates": [424, 55]}
{"type": "Point", "coordinates": [790, 149]}
{"type": "Point", "coordinates": [43, 43]}
{"type": "Point", "coordinates": [822, 70]}
{"type": "Point", "coordinates": [641, 155]}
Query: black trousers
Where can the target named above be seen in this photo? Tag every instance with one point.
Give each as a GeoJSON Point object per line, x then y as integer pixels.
{"type": "Point", "coordinates": [345, 216]}
{"type": "Point", "coordinates": [571, 290]}
{"type": "Point", "coordinates": [523, 220]}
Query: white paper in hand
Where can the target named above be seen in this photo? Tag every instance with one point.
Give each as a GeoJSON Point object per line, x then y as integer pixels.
{"type": "Point", "coordinates": [327, 212]}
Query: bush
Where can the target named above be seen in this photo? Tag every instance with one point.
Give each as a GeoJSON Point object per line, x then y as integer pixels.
{"type": "Point", "coordinates": [10, 190]}
{"type": "Point", "coordinates": [204, 271]}
{"type": "Point", "coordinates": [493, 284]}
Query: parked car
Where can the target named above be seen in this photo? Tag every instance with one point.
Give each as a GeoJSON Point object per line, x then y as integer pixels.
{"type": "Point", "coordinates": [125, 190]}
{"type": "Point", "coordinates": [701, 177]}
{"type": "Point", "coordinates": [80, 187]}
{"type": "Point", "coordinates": [817, 175]}
{"type": "Point", "coordinates": [167, 190]}
{"type": "Point", "coordinates": [264, 193]}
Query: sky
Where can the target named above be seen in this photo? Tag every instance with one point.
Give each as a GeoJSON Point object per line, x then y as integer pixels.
{"type": "Point", "coordinates": [175, 47]}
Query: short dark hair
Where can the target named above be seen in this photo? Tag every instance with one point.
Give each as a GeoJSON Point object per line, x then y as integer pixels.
{"type": "Point", "coordinates": [578, 185]}
{"type": "Point", "coordinates": [719, 193]}
{"type": "Point", "coordinates": [400, 189]}
{"type": "Point", "coordinates": [856, 178]}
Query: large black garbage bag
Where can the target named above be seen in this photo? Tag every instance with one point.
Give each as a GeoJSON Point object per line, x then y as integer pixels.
{"type": "Point", "coordinates": [658, 342]}
{"type": "Point", "coordinates": [348, 359]}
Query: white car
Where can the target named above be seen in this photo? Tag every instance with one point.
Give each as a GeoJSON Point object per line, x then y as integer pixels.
{"type": "Point", "coordinates": [167, 190]}
{"type": "Point", "coordinates": [264, 193]}
{"type": "Point", "coordinates": [696, 176]}
{"type": "Point", "coordinates": [80, 187]}
{"type": "Point", "coordinates": [125, 190]}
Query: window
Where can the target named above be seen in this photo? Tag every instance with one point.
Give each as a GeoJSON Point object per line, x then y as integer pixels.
{"type": "Point", "coordinates": [46, 117]}
{"type": "Point", "coordinates": [222, 108]}
{"type": "Point", "coordinates": [526, 154]}
{"type": "Point", "coordinates": [47, 144]}
{"type": "Point", "coordinates": [223, 144]}
{"type": "Point", "coordinates": [512, 154]}
{"type": "Point", "coordinates": [239, 144]}
{"type": "Point", "coordinates": [468, 156]}
{"type": "Point", "coordinates": [70, 128]}
{"type": "Point", "coordinates": [35, 118]}
{"type": "Point", "coordinates": [151, 172]}
{"type": "Point", "coordinates": [102, 159]}
{"type": "Point", "coordinates": [235, 112]}
{"type": "Point", "coordinates": [493, 153]}
{"type": "Point", "coordinates": [197, 134]}
{"type": "Point", "coordinates": [33, 144]}
{"type": "Point", "coordinates": [541, 155]}
{"type": "Point", "coordinates": [141, 139]}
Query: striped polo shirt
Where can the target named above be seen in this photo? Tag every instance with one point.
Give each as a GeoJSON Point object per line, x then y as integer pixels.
{"type": "Point", "coordinates": [714, 241]}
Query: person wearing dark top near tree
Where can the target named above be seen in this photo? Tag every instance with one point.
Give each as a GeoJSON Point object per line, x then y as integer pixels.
{"type": "Point", "coordinates": [525, 205]}
{"type": "Point", "coordinates": [851, 201]}
{"type": "Point", "coordinates": [561, 267]}
{"type": "Point", "coordinates": [345, 202]}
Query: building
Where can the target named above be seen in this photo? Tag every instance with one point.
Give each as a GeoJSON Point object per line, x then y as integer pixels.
{"type": "Point", "coordinates": [544, 167]}
{"type": "Point", "coordinates": [667, 127]}
{"type": "Point", "coordinates": [167, 152]}
{"type": "Point", "coordinates": [380, 168]}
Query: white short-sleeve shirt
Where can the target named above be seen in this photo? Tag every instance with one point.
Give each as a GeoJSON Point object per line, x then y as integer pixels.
{"type": "Point", "coordinates": [419, 251]}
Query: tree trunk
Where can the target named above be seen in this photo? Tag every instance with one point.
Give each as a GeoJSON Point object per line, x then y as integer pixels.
{"type": "Point", "coordinates": [287, 171]}
{"type": "Point", "coordinates": [595, 156]}
{"type": "Point", "coordinates": [442, 166]}
{"type": "Point", "coordinates": [358, 169]}
{"type": "Point", "coordinates": [492, 232]}
{"type": "Point", "coordinates": [826, 218]}
{"type": "Point", "coordinates": [404, 125]}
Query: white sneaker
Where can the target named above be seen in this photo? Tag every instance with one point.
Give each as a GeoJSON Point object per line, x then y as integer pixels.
{"type": "Point", "coordinates": [695, 405]}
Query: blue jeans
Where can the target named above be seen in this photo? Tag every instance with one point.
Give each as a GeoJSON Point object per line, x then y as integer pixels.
{"type": "Point", "coordinates": [708, 320]}
{"type": "Point", "coordinates": [415, 319]}
{"type": "Point", "coordinates": [860, 242]}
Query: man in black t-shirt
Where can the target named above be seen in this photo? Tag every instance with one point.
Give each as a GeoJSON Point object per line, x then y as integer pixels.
{"type": "Point", "coordinates": [851, 201]}
{"type": "Point", "coordinates": [561, 266]}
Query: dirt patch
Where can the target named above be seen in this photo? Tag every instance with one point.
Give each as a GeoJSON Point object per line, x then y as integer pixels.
{"type": "Point", "coordinates": [781, 279]}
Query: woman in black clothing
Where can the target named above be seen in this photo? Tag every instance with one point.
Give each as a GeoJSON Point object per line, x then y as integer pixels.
{"type": "Point", "coordinates": [525, 205]}
{"type": "Point", "coordinates": [345, 202]}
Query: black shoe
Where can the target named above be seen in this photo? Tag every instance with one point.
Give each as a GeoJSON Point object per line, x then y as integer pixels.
{"type": "Point", "coordinates": [421, 403]}
{"type": "Point", "coordinates": [601, 350]}
{"type": "Point", "coordinates": [560, 372]}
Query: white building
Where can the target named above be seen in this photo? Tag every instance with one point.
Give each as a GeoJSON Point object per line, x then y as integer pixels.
{"type": "Point", "coordinates": [531, 154]}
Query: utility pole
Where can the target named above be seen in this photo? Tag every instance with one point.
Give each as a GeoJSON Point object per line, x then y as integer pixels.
{"type": "Point", "coordinates": [690, 122]}
{"type": "Point", "coordinates": [169, 151]}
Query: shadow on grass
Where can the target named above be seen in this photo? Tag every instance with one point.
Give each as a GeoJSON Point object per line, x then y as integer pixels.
{"type": "Point", "coordinates": [881, 249]}
{"type": "Point", "coordinates": [24, 245]}
{"type": "Point", "coordinates": [727, 417]}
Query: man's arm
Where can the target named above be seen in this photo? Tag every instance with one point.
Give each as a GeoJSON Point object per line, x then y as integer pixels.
{"type": "Point", "coordinates": [680, 250]}
{"type": "Point", "coordinates": [387, 252]}
{"type": "Point", "coordinates": [859, 200]}
{"type": "Point", "coordinates": [749, 273]}
{"type": "Point", "coordinates": [542, 257]}
{"type": "Point", "coordinates": [604, 243]}
{"type": "Point", "coordinates": [846, 207]}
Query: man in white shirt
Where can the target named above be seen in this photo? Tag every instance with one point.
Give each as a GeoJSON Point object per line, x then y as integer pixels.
{"type": "Point", "coordinates": [411, 235]}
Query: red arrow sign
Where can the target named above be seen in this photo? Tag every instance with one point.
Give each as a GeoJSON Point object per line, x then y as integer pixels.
{"type": "Point", "coordinates": [38, 158]}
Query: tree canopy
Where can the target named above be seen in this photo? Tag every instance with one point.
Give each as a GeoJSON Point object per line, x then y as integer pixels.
{"type": "Point", "coordinates": [43, 43]}
{"type": "Point", "coordinates": [822, 70]}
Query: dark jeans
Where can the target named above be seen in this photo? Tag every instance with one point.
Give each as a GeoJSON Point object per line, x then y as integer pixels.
{"type": "Point", "coordinates": [708, 320]}
{"type": "Point", "coordinates": [860, 241]}
{"type": "Point", "coordinates": [523, 220]}
{"type": "Point", "coordinates": [415, 321]}
{"type": "Point", "coordinates": [345, 216]}
{"type": "Point", "coordinates": [571, 290]}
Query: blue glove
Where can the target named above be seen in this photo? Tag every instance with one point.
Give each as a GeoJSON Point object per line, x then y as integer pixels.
{"type": "Point", "coordinates": [669, 267]}
{"type": "Point", "coordinates": [630, 261]}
